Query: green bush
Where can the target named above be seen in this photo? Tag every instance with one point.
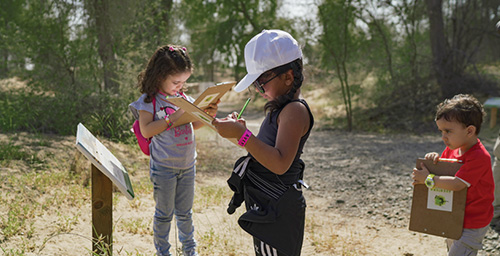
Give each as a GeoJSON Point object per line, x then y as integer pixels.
{"type": "Point", "coordinates": [104, 115]}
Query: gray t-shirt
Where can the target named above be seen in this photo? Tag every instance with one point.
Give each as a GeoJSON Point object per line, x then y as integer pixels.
{"type": "Point", "coordinates": [173, 148]}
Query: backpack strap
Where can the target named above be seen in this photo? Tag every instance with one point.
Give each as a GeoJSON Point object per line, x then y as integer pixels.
{"type": "Point", "coordinates": [182, 95]}
{"type": "Point", "coordinates": [154, 107]}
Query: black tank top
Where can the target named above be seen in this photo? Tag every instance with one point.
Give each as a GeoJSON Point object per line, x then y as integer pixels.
{"type": "Point", "coordinates": [268, 132]}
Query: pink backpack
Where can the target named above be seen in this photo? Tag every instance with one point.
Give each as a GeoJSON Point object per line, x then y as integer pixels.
{"type": "Point", "coordinates": [143, 142]}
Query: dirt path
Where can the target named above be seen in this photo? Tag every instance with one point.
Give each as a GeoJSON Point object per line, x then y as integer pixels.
{"type": "Point", "coordinates": [358, 203]}
{"type": "Point", "coordinates": [365, 178]}
{"type": "Point", "coordinates": [362, 183]}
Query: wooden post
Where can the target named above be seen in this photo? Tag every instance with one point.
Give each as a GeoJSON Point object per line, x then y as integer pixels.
{"type": "Point", "coordinates": [102, 213]}
{"type": "Point", "coordinates": [493, 117]}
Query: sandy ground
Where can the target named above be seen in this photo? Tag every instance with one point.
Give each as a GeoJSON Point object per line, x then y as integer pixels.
{"type": "Point", "coordinates": [358, 204]}
{"type": "Point", "coordinates": [368, 181]}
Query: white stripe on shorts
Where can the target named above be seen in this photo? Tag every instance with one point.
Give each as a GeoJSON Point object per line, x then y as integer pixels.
{"type": "Point", "coordinates": [267, 250]}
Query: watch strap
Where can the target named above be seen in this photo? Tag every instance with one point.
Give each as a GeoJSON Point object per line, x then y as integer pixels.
{"type": "Point", "coordinates": [429, 181]}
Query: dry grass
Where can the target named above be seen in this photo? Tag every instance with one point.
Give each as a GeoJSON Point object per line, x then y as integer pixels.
{"type": "Point", "coordinates": [46, 207]}
{"type": "Point", "coordinates": [45, 199]}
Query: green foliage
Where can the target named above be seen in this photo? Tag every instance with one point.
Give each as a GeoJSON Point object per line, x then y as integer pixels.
{"type": "Point", "coordinates": [64, 78]}
{"type": "Point", "coordinates": [105, 115]}
{"type": "Point", "coordinates": [60, 56]}
{"type": "Point", "coordinates": [341, 42]}
{"type": "Point", "coordinates": [10, 16]}
{"type": "Point", "coordinates": [10, 152]}
{"type": "Point", "coordinates": [153, 18]}
{"type": "Point", "coordinates": [111, 118]}
{"type": "Point", "coordinates": [220, 30]}
{"type": "Point", "coordinates": [404, 96]}
{"type": "Point", "coordinates": [69, 57]}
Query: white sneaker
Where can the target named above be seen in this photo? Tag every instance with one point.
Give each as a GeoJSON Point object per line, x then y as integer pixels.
{"type": "Point", "coordinates": [191, 252]}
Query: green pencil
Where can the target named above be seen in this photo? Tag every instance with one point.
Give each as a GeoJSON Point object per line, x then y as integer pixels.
{"type": "Point", "coordinates": [243, 109]}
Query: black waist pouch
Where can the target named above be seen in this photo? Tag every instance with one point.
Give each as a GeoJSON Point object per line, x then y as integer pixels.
{"type": "Point", "coordinates": [279, 223]}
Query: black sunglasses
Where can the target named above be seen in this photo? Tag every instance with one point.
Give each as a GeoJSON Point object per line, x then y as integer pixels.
{"type": "Point", "coordinates": [259, 86]}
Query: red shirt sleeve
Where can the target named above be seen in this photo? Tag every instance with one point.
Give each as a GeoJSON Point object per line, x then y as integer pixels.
{"type": "Point", "coordinates": [476, 170]}
{"type": "Point", "coordinates": [476, 163]}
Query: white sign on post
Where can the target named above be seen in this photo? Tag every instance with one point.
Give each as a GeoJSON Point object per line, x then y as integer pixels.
{"type": "Point", "coordinates": [104, 160]}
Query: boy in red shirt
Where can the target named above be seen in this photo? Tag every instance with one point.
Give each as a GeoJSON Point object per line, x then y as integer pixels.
{"type": "Point", "coordinates": [459, 121]}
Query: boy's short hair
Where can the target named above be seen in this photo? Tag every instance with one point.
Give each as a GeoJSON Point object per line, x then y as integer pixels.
{"type": "Point", "coordinates": [463, 108]}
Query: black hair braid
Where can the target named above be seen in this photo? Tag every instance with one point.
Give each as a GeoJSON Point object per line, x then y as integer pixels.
{"type": "Point", "coordinates": [282, 100]}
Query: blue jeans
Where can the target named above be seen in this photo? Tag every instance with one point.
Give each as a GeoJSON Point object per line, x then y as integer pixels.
{"type": "Point", "coordinates": [173, 194]}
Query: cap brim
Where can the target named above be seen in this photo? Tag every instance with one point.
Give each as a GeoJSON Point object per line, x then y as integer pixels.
{"type": "Point", "coordinates": [245, 82]}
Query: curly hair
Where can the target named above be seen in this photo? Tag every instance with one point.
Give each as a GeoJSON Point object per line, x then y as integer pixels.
{"type": "Point", "coordinates": [167, 60]}
{"type": "Point", "coordinates": [463, 108]}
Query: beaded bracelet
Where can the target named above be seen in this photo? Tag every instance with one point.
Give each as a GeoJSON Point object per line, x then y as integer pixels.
{"type": "Point", "coordinates": [169, 123]}
{"type": "Point", "coordinates": [244, 138]}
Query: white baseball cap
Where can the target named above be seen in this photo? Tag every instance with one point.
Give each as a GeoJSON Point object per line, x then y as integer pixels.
{"type": "Point", "coordinates": [265, 51]}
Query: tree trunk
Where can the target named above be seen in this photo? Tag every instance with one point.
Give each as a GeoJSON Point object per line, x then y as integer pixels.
{"type": "Point", "coordinates": [162, 22]}
{"type": "Point", "coordinates": [4, 70]}
{"type": "Point", "coordinates": [105, 44]}
{"type": "Point", "coordinates": [440, 63]}
{"type": "Point", "coordinates": [167, 6]}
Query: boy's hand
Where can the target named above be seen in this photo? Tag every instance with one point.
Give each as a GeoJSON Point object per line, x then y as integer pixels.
{"type": "Point", "coordinates": [419, 176]}
{"type": "Point", "coordinates": [432, 156]}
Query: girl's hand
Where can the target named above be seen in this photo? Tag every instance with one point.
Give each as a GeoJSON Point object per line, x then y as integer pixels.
{"type": "Point", "coordinates": [233, 115]}
{"type": "Point", "coordinates": [212, 108]}
{"type": "Point", "coordinates": [230, 127]}
{"type": "Point", "coordinates": [179, 112]}
{"type": "Point", "coordinates": [432, 156]}
{"type": "Point", "coordinates": [419, 176]}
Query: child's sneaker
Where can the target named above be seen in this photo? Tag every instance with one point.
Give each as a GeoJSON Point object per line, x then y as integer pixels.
{"type": "Point", "coordinates": [191, 252]}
